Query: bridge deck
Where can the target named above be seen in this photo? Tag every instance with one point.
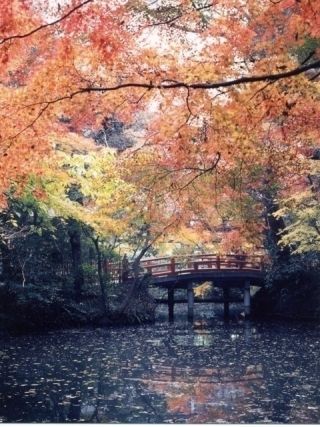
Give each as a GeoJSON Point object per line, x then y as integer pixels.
{"type": "Point", "coordinates": [179, 270]}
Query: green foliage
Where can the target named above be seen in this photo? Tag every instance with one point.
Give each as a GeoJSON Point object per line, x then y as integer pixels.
{"type": "Point", "coordinates": [302, 215]}
{"type": "Point", "coordinates": [305, 52]}
{"type": "Point", "coordinates": [90, 272]}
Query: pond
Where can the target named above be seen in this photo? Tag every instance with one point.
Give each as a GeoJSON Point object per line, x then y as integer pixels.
{"type": "Point", "coordinates": [208, 371]}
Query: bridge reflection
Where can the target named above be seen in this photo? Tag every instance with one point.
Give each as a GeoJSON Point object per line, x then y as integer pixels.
{"type": "Point", "coordinates": [205, 394]}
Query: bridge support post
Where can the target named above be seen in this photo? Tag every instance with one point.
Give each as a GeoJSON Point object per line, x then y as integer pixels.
{"type": "Point", "coordinates": [190, 301]}
{"type": "Point", "coordinates": [226, 302]}
{"type": "Point", "coordinates": [171, 304]}
{"type": "Point", "coordinates": [247, 299]}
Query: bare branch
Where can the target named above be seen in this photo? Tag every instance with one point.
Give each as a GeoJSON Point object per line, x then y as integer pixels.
{"type": "Point", "coordinates": [166, 22]}
{"type": "Point", "coordinates": [260, 90]}
{"type": "Point", "coordinates": [308, 57]}
{"type": "Point", "coordinates": [12, 138]}
{"type": "Point", "coordinates": [199, 8]}
{"type": "Point", "coordinates": [200, 85]}
{"type": "Point", "coordinates": [50, 24]}
{"type": "Point", "coordinates": [169, 84]}
{"type": "Point", "coordinates": [315, 76]}
{"type": "Point", "coordinates": [203, 172]}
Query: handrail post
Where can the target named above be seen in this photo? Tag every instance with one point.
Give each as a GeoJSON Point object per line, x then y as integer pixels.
{"type": "Point", "coordinates": [172, 266]}
{"type": "Point", "coordinates": [120, 271]}
{"type": "Point", "coordinates": [124, 269]}
{"type": "Point", "coordinates": [218, 262]}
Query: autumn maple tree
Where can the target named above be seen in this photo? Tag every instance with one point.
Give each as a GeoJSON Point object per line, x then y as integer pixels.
{"type": "Point", "coordinates": [222, 98]}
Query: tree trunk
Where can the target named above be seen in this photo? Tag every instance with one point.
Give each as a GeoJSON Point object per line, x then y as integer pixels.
{"type": "Point", "coordinates": [100, 274]}
{"type": "Point", "coordinates": [274, 225]}
{"type": "Point", "coordinates": [75, 242]}
{"type": "Point", "coordinates": [8, 272]}
{"type": "Point", "coordinates": [136, 284]}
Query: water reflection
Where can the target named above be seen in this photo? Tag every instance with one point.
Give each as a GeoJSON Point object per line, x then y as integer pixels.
{"type": "Point", "coordinates": [205, 394]}
{"type": "Point", "coordinates": [208, 371]}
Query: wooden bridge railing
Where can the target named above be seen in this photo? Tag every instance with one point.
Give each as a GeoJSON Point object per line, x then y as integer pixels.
{"type": "Point", "coordinates": [180, 265]}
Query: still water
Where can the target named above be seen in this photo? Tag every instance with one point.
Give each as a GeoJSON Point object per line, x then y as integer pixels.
{"type": "Point", "coordinates": [207, 371]}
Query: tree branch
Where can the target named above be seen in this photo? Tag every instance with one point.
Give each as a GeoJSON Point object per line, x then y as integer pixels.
{"type": "Point", "coordinates": [50, 24]}
{"type": "Point", "coordinates": [169, 84]}
{"type": "Point", "coordinates": [167, 21]}
{"type": "Point", "coordinates": [202, 86]}
{"type": "Point", "coordinates": [199, 8]}
{"type": "Point", "coordinates": [211, 85]}
{"type": "Point", "coordinates": [203, 172]}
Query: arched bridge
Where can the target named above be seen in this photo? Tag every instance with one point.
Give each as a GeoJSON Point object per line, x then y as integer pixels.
{"type": "Point", "coordinates": [177, 270]}
{"type": "Point", "coordinates": [185, 272]}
